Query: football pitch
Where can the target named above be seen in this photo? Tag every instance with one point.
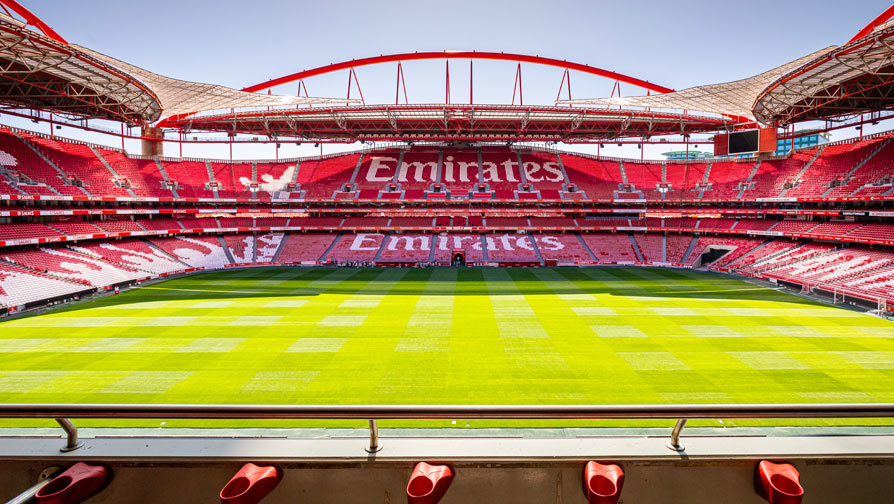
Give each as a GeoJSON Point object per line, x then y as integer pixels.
{"type": "Point", "coordinates": [448, 336]}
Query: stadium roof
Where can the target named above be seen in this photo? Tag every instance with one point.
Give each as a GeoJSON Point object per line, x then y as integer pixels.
{"type": "Point", "coordinates": [184, 97]}
{"type": "Point", "coordinates": [732, 99]}
{"type": "Point", "coordinates": [43, 71]}
{"type": "Point", "coordinates": [445, 122]}
{"type": "Point", "coordinates": [40, 72]}
{"type": "Point", "coordinates": [854, 78]}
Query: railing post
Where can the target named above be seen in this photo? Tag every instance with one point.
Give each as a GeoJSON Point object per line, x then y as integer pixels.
{"type": "Point", "coordinates": [72, 433]}
{"type": "Point", "coordinates": [674, 443]}
{"type": "Point", "coordinates": [374, 445]}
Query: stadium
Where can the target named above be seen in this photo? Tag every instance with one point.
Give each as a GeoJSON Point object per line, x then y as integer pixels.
{"type": "Point", "coordinates": [243, 293]}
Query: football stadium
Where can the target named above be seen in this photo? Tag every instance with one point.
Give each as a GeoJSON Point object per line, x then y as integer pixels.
{"type": "Point", "coordinates": [224, 289]}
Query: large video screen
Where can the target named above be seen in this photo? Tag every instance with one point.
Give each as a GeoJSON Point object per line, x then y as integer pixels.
{"type": "Point", "coordinates": [745, 141]}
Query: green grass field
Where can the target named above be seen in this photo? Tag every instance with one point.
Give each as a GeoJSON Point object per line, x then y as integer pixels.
{"type": "Point", "coordinates": [470, 336]}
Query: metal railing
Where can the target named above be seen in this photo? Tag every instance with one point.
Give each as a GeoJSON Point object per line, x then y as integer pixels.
{"type": "Point", "coordinates": [63, 412]}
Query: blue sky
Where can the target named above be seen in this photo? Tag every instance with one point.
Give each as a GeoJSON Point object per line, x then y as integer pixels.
{"type": "Point", "coordinates": [676, 44]}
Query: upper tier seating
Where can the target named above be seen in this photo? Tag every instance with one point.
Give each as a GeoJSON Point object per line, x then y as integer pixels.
{"type": "Point", "coordinates": [418, 171]}
{"type": "Point", "coordinates": [835, 228]}
{"type": "Point", "coordinates": [143, 174]}
{"type": "Point", "coordinates": [511, 222]}
{"type": "Point", "coordinates": [755, 224]}
{"type": "Point", "coordinates": [645, 177]}
{"type": "Point", "coordinates": [315, 221]}
{"type": "Point", "coordinates": [597, 179]}
{"type": "Point", "coordinates": [319, 179]}
{"type": "Point", "coordinates": [543, 173]}
{"type": "Point", "coordinates": [873, 231]}
{"type": "Point", "coordinates": [716, 223]}
{"type": "Point", "coordinates": [200, 222]}
{"type": "Point", "coordinates": [160, 224]}
{"type": "Point", "coordinates": [725, 179]}
{"type": "Point", "coordinates": [72, 228]}
{"type": "Point", "coordinates": [684, 180]}
{"type": "Point", "coordinates": [774, 173]}
{"type": "Point", "coordinates": [271, 221]}
{"type": "Point", "coordinates": [23, 231]}
{"type": "Point", "coordinates": [460, 172]}
{"type": "Point", "coordinates": [274, 179]}
{"type": "Point", "coordinates": [378, 170]}
{"type": "Point", "coordinates": [121, 225]}
{"type": "Point", "coordinates": [191, 178]}
{"type": "Point", "coordinates": [79, 161]}
{"type": "Point", "coordinates": [794, 226]}
{"type": "Point", "coordinates": [835, 161]}
{"type": "Point", "coordinates": [305, 247]}
{"type": "Point", "coordinates": [552, 222]}
{"type": "Point", "coordinates": [368, 222]}
{"type": "Point", "coordinates": [411, 222]}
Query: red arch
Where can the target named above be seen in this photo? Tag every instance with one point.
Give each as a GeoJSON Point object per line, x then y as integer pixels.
{"type": "Point", "coordinates": [32, 19]}
{"type": "Point", "coordinates": [881, 18]}
{"type": "Point", "coordinates": [458, 55]}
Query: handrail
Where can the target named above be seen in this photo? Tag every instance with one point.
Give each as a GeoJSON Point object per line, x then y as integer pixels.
{"type": "Point", "coordinates": [448, 412]}
{"type": "Point", "coordinates": [372, 413]}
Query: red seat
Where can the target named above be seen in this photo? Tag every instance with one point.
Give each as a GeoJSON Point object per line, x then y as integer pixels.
{"type": "Point", "coordinates": [428, 483]}
{"type": "Point", "coordinates": [603, 482]}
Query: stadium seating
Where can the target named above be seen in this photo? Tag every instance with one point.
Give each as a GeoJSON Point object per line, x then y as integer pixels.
{"type": "Point", "coordinates": [510, 248]}
{"type": "Point", "coordinates": [677, 245]}
{"type": "Point", "coordinates": [194, 251]}
{"type": "Point", "coordinates": [22, 231]}
{"type": "Point", "coordinates": [360, 247]}
{"type": "Point", "coordinates": [762, 253]}
{"type": "Point", "coordinates": [305, 247]}
{"type": "Point", "coordinates": [266, 246]}
{"type": "Point", "coordinates": [19, 286]}
{"type": "Point", "coordinates": [470, 244]}
{"type": "Point", "coordinates": [403, 248]}
{"type": "Point", "coordinates": [611, 248]}
{"type": "Point", "coordinates": [651, 247]}
{"type": "Point", "coordinates": [242, 247]}
{"type": "Point", "coordinates": [72, 228]}
{"type": "Point", "coordinates": [68, 264]}
{"type": "Point", "coordinates": [134, 254]}
{"type": "Point", "coordinates": [119, 225]}
{"type": "Point", "coordinates": [562, 248]}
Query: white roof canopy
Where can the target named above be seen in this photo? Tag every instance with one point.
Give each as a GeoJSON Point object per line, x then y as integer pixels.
{"type": "Point", "coordinates": [184, 97]}
{"type": "Point", "coordinates": [731, 98]}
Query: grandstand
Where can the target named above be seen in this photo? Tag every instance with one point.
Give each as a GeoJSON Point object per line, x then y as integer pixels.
{"type": "Point", "coordinates": [486, 263]}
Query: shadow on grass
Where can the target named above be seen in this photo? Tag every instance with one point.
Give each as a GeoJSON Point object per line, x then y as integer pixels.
{"type": "Point", "coordinates": [285, 282]}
